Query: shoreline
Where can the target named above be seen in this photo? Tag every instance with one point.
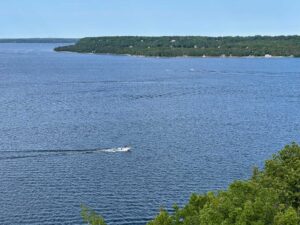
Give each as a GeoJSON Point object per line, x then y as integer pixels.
{"type": "Point", "coordinates": [190, 46]}
{"type": "Point", "coordinates": [183, 56]}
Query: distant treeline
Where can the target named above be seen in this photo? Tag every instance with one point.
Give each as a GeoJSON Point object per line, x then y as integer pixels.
{"type": "Point", "coordinates": [39, 40]}
{"type": "Point", "coordinates": [171, 46]}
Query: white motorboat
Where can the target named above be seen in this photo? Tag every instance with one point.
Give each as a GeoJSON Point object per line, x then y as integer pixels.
{"type": "Point", "coordinates": [119, 149]}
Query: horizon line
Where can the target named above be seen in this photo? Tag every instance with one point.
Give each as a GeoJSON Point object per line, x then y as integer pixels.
{"type": "Point", "coordinates": [171, 35]}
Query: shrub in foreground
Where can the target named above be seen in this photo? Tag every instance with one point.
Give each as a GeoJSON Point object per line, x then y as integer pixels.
{"type": "Point", "coordinates": [270, 197]}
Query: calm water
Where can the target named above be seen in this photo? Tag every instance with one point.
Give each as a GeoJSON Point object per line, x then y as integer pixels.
{"type": "Point", "coordinates": [194, 125]}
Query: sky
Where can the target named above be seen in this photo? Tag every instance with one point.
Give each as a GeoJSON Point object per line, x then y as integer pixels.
{"type": "Point", "coordinates": [82, 18]}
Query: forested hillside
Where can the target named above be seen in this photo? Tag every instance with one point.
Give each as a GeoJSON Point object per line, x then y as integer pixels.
{"type": "Point", "coordinates": [171, 46]}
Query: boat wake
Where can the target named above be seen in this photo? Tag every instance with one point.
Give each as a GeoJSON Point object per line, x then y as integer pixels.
{"type": "Point", "coordinates": [21, 154]}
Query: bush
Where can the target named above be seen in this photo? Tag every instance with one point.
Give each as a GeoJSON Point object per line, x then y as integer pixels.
{"type": "Point", "coordinates": [270, 197]}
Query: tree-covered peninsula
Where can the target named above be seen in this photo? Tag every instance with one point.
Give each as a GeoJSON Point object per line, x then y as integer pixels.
{"type": "Point", "coordinates": [270, 197]}
{"type": "Point", "coordinates": [172, 46]}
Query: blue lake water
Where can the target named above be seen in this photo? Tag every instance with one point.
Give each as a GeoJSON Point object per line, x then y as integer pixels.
{"type": "Point", "coordinates": [194, 125]}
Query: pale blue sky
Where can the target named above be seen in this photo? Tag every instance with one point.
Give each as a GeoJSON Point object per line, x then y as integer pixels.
{"type": "Point", "coordinates": [80, 18]}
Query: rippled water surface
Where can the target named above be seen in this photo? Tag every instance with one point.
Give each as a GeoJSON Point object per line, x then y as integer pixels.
{"type": "Point", "coordinates": [194, 125]}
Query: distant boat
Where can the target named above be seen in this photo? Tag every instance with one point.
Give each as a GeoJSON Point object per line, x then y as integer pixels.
{"type": "Point", "coordinates": [119, 149]}
{"type": "Point", "coordinates": [124, 149]}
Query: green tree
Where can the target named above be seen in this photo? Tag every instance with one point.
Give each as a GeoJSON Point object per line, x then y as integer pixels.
{"type": "Point", "coordinates": [289, 217]}
{"type": "Point", "coordinates": [270, 197]}
{"type": "Point", "coordinates": [90, 217]}
{"type": "Point", "coordinates": [162, 219]}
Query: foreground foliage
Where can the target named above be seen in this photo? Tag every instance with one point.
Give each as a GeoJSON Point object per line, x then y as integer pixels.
{"type": "Point", "coordinates": [89, 216]}
{"type": "Point", "coordinates": [171, 46]}
{"type": "Point", "coordinates": [270, 197]}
